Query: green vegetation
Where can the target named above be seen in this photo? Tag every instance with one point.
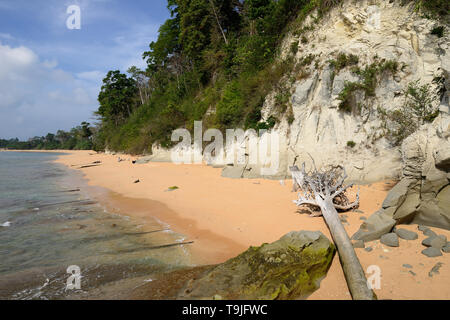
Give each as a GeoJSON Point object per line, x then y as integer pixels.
{"type": "Point", "coordinates": [369, 78]}
{"type": "Point", "coordinates": [438, 31]}
{"type": "Point", "coordinates": [343, 61]}
{"type": "Point", "coordinates": [213, 61]}
{"type": "Point", "coordinates": [79, 138]}
{"type": "Point", "coordinates": [351, 144]}
{"type": "Point", "coordinates": [417, 110]}
{"type": "Point", "coordinates": [433, 8]}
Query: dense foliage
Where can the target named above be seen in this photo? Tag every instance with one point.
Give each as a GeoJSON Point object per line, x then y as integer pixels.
{"type": "Point", "coordinates": [216, 55]}
{"type": "Point", "coordinates": [79, 138]}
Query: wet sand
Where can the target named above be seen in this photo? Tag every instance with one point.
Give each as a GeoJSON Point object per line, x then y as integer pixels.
{"type": "Point", "coordinates": [225, 216]}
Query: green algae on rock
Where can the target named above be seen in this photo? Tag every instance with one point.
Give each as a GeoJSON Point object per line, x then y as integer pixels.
{"type": "Point", "coordinates": [289, 268]}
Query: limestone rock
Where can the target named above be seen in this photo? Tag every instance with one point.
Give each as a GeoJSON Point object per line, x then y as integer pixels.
{"type": "Point", "coordinates": [408, 207]}
{"type": "Point", "coordinates": [285, 269]}
{"type": "Point", "coordinates": [374, 227]}
{"type": "Point", "coordinates": [144, 160]}
{"type": "Point", "coordinates": [442, 156]}
{"type": "Point", "coordinates": [398, 193]}
{"type": "Point", "coordinates": [303, 91]}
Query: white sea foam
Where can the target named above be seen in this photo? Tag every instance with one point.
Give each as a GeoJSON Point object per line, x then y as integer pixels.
{"type": "Point", "coordinates": [6, 224]}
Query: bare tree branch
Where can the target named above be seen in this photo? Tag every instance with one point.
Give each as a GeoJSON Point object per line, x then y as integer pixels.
{"type": "Point", "coordinates": [325, 189]}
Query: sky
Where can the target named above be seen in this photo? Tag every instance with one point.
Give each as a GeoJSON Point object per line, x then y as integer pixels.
{"type": "Point", "coordinates": [50, 75]}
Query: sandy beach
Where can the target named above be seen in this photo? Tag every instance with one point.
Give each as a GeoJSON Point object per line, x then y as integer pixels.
{"type": "Point", "coordinates": [225, 216]}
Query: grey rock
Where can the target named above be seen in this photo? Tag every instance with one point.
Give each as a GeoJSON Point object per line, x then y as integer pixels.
{"type": "Point", "coordinates": [422, 228]}
{"type": "Point", "coordinates": [446, 249]}
{"type": "Point", "coordinates": [412, 272]}
{"type": "Point", "coordinates": [302, 91]}
{"type": "Point", "coordinates": [374, 227]}
{"type": "Point", "coordinates": [286, 268]}
{"type": "Point", "coordinates": [432, 252]}
{"type": "Point", "coordinates": [398, 193]}
{"type": "Point", "coordinates": [390, 239]}
{"type": "Point", "coordinates": [341, 79]}
{"type": "Point", "coordinates": [358, 211]}
{"type": "Point", "coordinates": [407, 266]}
{"type": "Point", "coordinates": [429, 233]}
{"type": "Point", "coordinates": [434, 181]}
{"type": "Point", "coordinates": [409, 206]}
{"type": "Point", "coordinates": [144, 160]}
{"type": "Point", "coordinates": [368, 249]}
{"type": "Point", "coordinates": [435, 269]}
{"type": "Point", "coordinates": [427, 242]}
{"type": "Point", "coordinates": [358, 244]}
{"type": "Point", "coordinates": [363, 218]}
{"type": "Point", "coordinates": [406, 234]}
{"type": "Point", "coordinates": [439, 242]}
{"type": "Point", "coordinates": [442, 156]}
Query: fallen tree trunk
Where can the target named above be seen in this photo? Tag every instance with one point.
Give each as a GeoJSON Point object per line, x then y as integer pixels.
{"type": "Point", "coordinates": [320, 189]}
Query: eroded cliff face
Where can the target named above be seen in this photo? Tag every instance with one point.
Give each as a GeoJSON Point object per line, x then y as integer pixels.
{"type": "Point", "coordinates": [374, 31]}
{"type": "Point", "coordinates": [386, 46]}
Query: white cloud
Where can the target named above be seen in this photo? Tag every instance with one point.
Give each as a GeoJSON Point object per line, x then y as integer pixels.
{"type": "Point", "coordinates": [36, 97]}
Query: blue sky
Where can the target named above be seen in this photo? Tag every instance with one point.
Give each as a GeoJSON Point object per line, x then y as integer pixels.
{"type": "Point", "coordinates": [49, 75]}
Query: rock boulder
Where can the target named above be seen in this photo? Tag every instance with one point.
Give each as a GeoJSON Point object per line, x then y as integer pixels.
{"type": "Point", "coordinates": [289, 268]}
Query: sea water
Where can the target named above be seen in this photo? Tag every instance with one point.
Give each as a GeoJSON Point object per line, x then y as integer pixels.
{"type": "Point", "coordinates": [48, 223]}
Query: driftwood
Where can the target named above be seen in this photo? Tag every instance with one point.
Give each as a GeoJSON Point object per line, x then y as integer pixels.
{"type": "Point", "coordinates": [325, 190]}
{"type": "Point", "coordinates": [72, 190]}
{"type": "Point", "coordinates": [89, 166]}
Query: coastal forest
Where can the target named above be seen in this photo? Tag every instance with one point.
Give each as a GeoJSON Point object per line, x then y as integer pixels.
{"type": "Point", "coordinates": [213, 60]}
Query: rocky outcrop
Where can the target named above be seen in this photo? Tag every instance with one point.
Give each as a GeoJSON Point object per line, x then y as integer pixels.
{"type": "Point", "coordinates": [423, 194]}
{"type": "Point", "coordinates": [289, 268]}
{"type": "Point", "coordinates": [314, 127]}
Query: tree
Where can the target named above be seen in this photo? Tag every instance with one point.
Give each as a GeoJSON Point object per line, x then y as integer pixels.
{"type": "Point", "coordinates": [325, 190]}
{"type": "Point", "coordinates": [142, 83]}
{"type": "Point", "coordinates": [116, 97]}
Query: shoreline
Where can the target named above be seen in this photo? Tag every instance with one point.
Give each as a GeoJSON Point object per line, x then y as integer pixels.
{"type": "Point", "coordinates": [225, 216]}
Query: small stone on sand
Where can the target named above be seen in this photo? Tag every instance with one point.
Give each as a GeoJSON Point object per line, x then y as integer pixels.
{"type": "Point", "coordinates": [432, 252]}
{"type": "Point", "coordinates": [406, 234]}
{"type": "Point", "coordinates": [390, 239]}
{"type": "Point", "coordinates": [429, 233]}
{"type": "Point", "coordinates": [435, 269]}
{"type": "Point", "coordinates": [427, 242]}
{"type": "Point", "coordinates": [439, 242]}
